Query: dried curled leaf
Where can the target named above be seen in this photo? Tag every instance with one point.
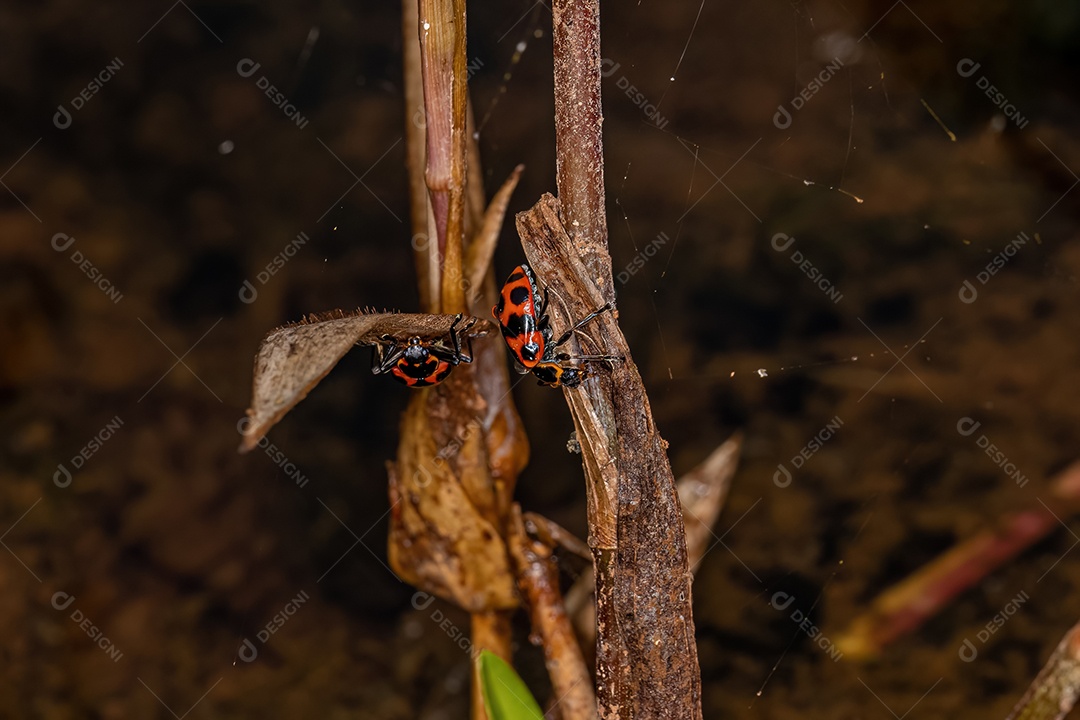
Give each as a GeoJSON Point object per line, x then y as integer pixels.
{"type": "Point", "coordinates": [479, 253]}
{"type": "Point", "coordinates": [293, 359]}
{"type": "Point", "coordinates": [445, 535]}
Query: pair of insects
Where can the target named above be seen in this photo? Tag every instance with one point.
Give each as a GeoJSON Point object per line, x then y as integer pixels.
{"type": "Point", "coordinates": [526, 328]}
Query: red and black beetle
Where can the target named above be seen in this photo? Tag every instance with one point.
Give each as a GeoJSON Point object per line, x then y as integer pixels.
{"type": "Point", "coordinates": [526, 328]}
{"type": "Point", "coordinates": [419, 363]}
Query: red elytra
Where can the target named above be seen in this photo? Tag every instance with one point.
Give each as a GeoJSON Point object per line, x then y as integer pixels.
{"type": "Point", "coordinates": [526, 328]}
{"type": "Point", "coordinates": [418, 363]}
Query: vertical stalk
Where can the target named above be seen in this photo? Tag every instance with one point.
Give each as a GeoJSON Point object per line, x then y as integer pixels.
{"type": "Point", "coordinates": [443, 65]}
{"type": "Point", "coordinates": [646, 665]}
{"type": "Point", "coordinates": [646, 657]}
{"type": "Point", "coordinates": [579, 143]}
{"type": "Point", "coordinates": [423, 243]}
{"type": "Point", "coordinates": [447, 527]}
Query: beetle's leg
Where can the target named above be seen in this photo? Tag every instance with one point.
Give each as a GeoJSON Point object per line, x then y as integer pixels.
{"type": "Point", "coordinates": [569, 333]}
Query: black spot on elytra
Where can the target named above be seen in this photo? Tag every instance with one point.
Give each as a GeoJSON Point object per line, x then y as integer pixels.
{"type": "Point", "coordinates": [519, 295]}
{"type": "Point", "coordinates": [513, 326]}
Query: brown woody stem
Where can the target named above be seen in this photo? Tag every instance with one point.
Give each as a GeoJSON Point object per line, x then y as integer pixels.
{"type": "Point", "coordinates": [578, 138]}
{"type": "Point", "coordinates": [424, 247]}
{"type": "Point", "coordinates": [490, 631]}
{"type": "Point", "coordinates": [646, 664]}
{"type": "Point", "coordinates": [1054, 692]}
{"type": "Point", "coordinates": [443, 61]}
{"type": "Point", "coordinates": [538, 579]}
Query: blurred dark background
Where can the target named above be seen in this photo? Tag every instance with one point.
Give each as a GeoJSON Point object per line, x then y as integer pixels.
{"type": "Point", "coordinates": [146, 176]}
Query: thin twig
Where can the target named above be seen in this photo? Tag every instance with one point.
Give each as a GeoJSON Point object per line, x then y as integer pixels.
{"type": "Point", "coordinates": [427, 262]}
{"type": "Point", "coordinates": [1054, 692]}
{"type": "Point", "coordinates": [908, 604]}
{"type": "Point", "coordinates": [538, 579]}
{"type": "Point", "coordinates": [443, 62]}
{"type": "Point", "coordinates": [579, 143]}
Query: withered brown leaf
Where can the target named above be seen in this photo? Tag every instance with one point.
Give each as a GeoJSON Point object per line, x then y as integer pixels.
{"type": "Point", "coordinates": [293, 359]}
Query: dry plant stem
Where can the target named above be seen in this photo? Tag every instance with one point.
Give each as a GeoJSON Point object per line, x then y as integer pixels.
{"type": "Point", "coordinates": [1054, 692]}
{"type": "Point", "coordinates": [908, 604]}
{"type": "Point", "coordinates": [554, 535]}
{"type": "Point", "coordinates": [427, 263]}
{"type": "Point", "coordinates": [443, 62]}
{"type": "Point", "coordinates": [453, 293]}
{"type": "Point", "coordinates": [538, 579]}
{"type": "Point", "coordinates": [578, 139]}
{"type": "Point", "coordinates": [646, 656]}
{"type": "Point", "coordinates": [462, 445]}
{"type": "Point", "coordinates": [703, 492]}
{"type": "Point", "coordinates": [435, 25]}
{"type": "Point", "coordinates": [647, 663]}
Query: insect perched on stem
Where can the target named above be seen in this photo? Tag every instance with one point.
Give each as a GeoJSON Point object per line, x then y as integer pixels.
{"type": "Point", "coordinates": [526, 328]}
{"type": "Point", "coordinates": [419, 363]}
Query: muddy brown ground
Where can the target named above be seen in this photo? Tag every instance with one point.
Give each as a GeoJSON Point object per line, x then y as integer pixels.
{"type": "Point", "coordinates": [180, 179]}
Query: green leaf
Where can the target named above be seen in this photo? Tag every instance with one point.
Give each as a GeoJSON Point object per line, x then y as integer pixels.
{"type": "Point", "coordinates": [505, 694]}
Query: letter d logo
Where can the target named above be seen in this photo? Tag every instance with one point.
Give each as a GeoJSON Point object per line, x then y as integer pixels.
{"type": "Point", "coordinates": [248, 293]}
{"type": "Point", "coordinates": [968, 293]}
{"type": "Point", "coordinates": [966, 68]}
{"type": "Point", "coordinates": [608, 67]}
{"type": "Point", "coordinates": [61, 242]}
{"type": "Point", "coordinates": [246, 68]}
{"type": "Point", "coordinates": [62, 118]}
{"type": "Point", "coordinates": [421, 600]}
{"type": "Point", "coordinates": [62, 600]}
{"type": "Point", "coordinates": [782, 118]}
{"type": "Point", "coordinates": [62, 477]}
{"type": "Point", "coordinates": [782, 600]}
{"type": "Point", "coordinates": [782, 477]}
{"type": "Point", "coordinates": [248, 651]}
{"type": "Point", "coordinates": [965, 426]}
{"type": "Point", "coordinates": [781, 242]}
